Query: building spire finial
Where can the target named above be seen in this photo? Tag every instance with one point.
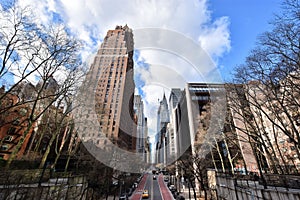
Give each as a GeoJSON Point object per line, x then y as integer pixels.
{"type": "Point", "coordinates": [164, 96]}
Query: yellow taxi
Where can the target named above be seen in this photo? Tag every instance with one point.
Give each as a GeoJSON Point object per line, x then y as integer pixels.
{"type": "Point", "coordinates": [145, 194]}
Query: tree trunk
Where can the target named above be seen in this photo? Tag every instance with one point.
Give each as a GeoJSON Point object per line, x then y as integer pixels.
{"type": "Point", "coordinates": [220, 155]}
{"type": "Point", "coordinates": [45, 156]}
{"type": "Point", "coordinates": [229, 155]}
{"type": "Point", "coordinates": [67, 163]}
{"type": "Point", "coordinates": [61, 145]}
{"type": "Point", "coordinates": [213, 159]}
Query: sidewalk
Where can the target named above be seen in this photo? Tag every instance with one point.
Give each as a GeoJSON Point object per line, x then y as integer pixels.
{"type": "Point", "coordinates": [185, 194]}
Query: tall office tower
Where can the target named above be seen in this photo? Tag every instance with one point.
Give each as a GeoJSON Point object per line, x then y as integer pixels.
{"type": "Point", "coordinates": [114, 88]}
{"type": "Point", "coordinates": [141, 126]}
{"type": "Point", "coordinates": [174, 99]}
{"type": "Point", "coordinates": [163, 119]}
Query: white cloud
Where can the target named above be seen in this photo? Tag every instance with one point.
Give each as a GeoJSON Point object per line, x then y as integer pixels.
{"type": "Point", "coordinates": [215, 39]}
{"type": "Point", "coordinates": [95, 17]}
{"type": "Point", "coordinates": [191, 19]}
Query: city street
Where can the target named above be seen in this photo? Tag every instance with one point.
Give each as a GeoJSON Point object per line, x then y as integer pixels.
{"type": "Point", "coordinates": [155, 100]}
{"type": "Point", "coordinates": [157, 188]}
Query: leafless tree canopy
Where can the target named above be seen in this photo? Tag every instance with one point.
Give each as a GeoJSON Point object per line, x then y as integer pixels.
{"type": "Point", "coordinates": [40, 68]}
{"type": "Point", "coordinates": [272, 89]}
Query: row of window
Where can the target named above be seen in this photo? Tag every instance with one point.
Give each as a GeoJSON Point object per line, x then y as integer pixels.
{"type": "Point", "coordinates": [201, 98]}
{"type": "Point", "coordinates": [105, 59]}
{"type": "Point", "coordinates": [8, 138]}
{"type": "Point", "coordinates": [114, 52]}
{"type": "Point", "coordinates": [203, 89]}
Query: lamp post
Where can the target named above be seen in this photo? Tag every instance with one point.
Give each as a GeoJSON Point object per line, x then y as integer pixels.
{"type": "Point", "coordinates": [182, 181]}
{"type": "Point", "coordinates": [121, 185]}
{"type": "Point", "coordinates": [188, 182]}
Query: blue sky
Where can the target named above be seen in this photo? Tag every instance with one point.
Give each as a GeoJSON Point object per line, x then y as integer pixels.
{"type": "Point", "coordinates": [248, 19]}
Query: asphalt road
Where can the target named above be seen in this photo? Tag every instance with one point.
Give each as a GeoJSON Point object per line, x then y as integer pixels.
{"type": "Point", "coordinates": [153, 187]}
{"type": "Point", "coordinates": [157, 188]}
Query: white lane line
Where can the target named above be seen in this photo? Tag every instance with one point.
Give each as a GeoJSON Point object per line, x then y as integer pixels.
{"type": "Point", "coordinates": [152, 187]}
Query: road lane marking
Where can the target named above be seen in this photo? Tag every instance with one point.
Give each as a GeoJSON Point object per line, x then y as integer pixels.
{"type": "Point", "coordinates": [152, 187]}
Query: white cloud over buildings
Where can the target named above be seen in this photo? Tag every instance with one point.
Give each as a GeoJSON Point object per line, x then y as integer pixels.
{"type": "Point", "coordinates": [90, 20]}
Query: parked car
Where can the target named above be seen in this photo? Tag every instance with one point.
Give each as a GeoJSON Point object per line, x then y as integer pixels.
{"type": "Point", "coordinates": [172, 188]}
{"type": "Point", "coordinates": [129, 191]}
{"type": "Point", "coordinates": [180, 198]}
{"type": "Point", "coordinates": [123, 197]}
{"type": "Point", "coordinates": [166, 178]}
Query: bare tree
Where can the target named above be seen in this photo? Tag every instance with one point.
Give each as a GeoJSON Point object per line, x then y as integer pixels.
{"type": "Point", "coordinates": [33, 52]}
{"type": "Point", "coordinates": [271, 88]}
{"type": "Point", "coordinates": [60, 129]}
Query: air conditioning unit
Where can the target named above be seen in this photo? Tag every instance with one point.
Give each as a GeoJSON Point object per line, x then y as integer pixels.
{"type": "Point", "coordinates": [8, 138]}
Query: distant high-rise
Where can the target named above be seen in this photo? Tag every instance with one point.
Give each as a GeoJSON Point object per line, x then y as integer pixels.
{"type": "Point", "coordinates": [172, 135]}
{"type": "Point", "coordinates": [163, 118]}
{"type": "Point", "coordinates": [141, 129]}
{"type": "Point", "coordinates": [114, 89]}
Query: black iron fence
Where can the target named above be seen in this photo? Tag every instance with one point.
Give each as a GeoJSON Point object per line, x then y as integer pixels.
{"type": "Point", "coordinates": [37, 184]}
{"type": "Point", "coordinates": [271, 186]}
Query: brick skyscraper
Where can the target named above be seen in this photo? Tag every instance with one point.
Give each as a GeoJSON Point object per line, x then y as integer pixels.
{"type": "Point", "coordinates": [114, 93]}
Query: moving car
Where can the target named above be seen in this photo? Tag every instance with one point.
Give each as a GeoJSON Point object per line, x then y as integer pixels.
{"type": "Point", "coordinates": [154, 177]}
{"type": "Point", "coordinates": [145, 194]}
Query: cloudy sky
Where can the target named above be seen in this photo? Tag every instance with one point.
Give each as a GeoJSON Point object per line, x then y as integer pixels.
{"type": "Point", "coordinates": [213, 36]}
